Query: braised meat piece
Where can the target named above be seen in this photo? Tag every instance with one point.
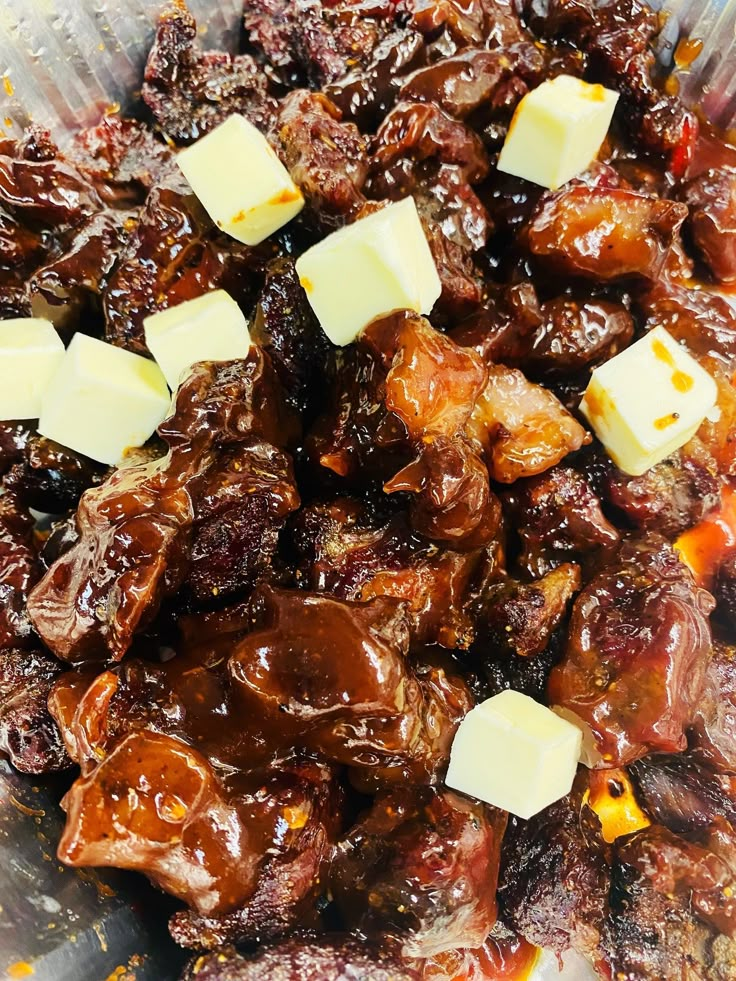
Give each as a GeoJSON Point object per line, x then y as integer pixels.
{"type": "Point", "coordinates": [304, 803]}
{"type": "Point", "coordinates": [576, 335]}
{"type": "Point", "coordinates": [52, 478]}
{"type": "Point", "coordinates": [48, 194]}
{"type": "Point", "coordinates": [637, 652]}
{"type": "Point", "coordinates": [711, 197]}
{"type": "Point", "coordinates": [669, 497]}
{"type": "Point", "coordinates": [553, 887]}
{"type": "Point", "coordinates": [713, 735]}
{"type": "Point", "coordinates": [519, 618]}
{"type": "Point", "coordinates": [174, 254]}
{"type": "Point", "coordinates": [423, 864]}
{"type": "Point", "coordinates": [68, 290]}
{"type": "Point", "coordinates": [349, 555]}
{"type": "Point", "coordinates": [320, 40]}
{"type": "Point", "coordinates": [20, 570]}
{"type": "Point", "coordinates": [241, 505]}
{"type": "Point", "coordinates": [135, 546]}
{"type": "Point", "coordinates": [28, 734]}
{"type": "Point", "coordinates": [682, 794]}
{"type": "Point", "coordinates": [522, 428]}
{"type": "Point", "coordinates": [14, 436]}
{"type": "Point", "coordinates": [604, 234]}
{"type": "Point", "coordinates": [322, 958]}
{"type": "Point", "coordinates": [472, 78]}
{"type": "Point", "coordinates": [190, 92]}
{"type": "Point", "coordinates": [122, 158]}
{"type": "Point", "coordinates": [666, 893]}
{"type": "Point", "coordinates": [326, 157]}
{"type": "Point", "coordinates": [703, 320]}
{"type": "Point", "coordinates": [725, 591]}
{"type": "Point", "coordinates": [288, 331]}
{"type": "Point", "coordinates": [352, 698]}
{"type": "Point", "coordinates": [556, 516]}
{"type": "Point", "coordinates": [462, 23]}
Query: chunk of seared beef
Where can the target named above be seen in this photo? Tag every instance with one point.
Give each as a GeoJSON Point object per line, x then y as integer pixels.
{"type": "Point", "coordinates": [711, 197]}
{"type": "Point", "coordinates": [681, 793]}
{"type": "Point", "coordinates": [520, 618]}
{"type": "Point", "coordinates": [190, 92]}
{"type": "Point", "coordinates": [51, 478]}
{"type": "Point", "coordinates": [305, 958]}
{"type": "Point", "coordinates": [557, 516]}
{"type": "Point", "coordinates": [28, 734]}
{"type": "Point", "coordinates": [637, 653]}
{"type": "Point", "coordinates": [670, 898]}
{"type": "Point", "coordinates": [554, 881]}
{"type": "Point", "coordinates": [422, 864]}
{"type": "Point", "coordinates": [20, 570]}
{"type": "Point", "coordinates": [713, 735]}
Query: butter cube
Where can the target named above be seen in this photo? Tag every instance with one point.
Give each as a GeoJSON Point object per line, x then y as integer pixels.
{"type": "Point", "coordinates": [369, 269]}
{"type": "Point", "coordinates": [30, 352]}
{"type": "Point", "coordinates": [210, 328]}
{"type": "Point", "coordinates": [557, 131]}
{"type": "Point", "coordinates": [514, 753]}
{"type": "Point", "coordinates": [241, 183]}
{"type": "Point", "coordinates": [102, 400]}
{"type": "Point", "coordinates": [648, 401]}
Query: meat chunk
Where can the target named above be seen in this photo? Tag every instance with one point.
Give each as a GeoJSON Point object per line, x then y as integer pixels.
{"type": "Point", "coordinates": [319, 40]}
{"type": "Point", "coordinates": [604, 234]}
{"type": "Point", "coordinates": [461, 23]}
{"type": "Point", "coordinates": [711, 197]}
{"type": "Point", "coordinates": [423, 864]}
{"type": "Point", "coordinates": [554, 883]}
{"type": "Point", "coordinates": [28, 734]}
{"type": "Point", "coordinates": [303, 804]}
{"type": "Point", "coordinates": [556, 516]}
{"type": "Point", "coordinates": [326, 157]}
{"type": "Point", "coordinates": [174, 254]}
{"type": "Point", "coordinates": [665, 889]}
{"type": "Point", "coordinates": [354, 699]}
{"type": "Point", "coordinates": [703, 320]}
{"type": "Point", "coordinates": [713, 736]}
{"type": "Point", "coordinates": [682, 794]}
{"type": "Point", "coordinates": [122, 158]}
{"type": "Point", "coordinates": [155, 805]}
{"type": "Point", "coordinates": [20, 570]}
{"type": "Point", "coordinates": [302, 959]}
{"type": "Point", "coordinates": [520, 617]}
{"type": "Point", "coordinates": [52, 478]}
{"type": "Point", "coordinates": [522, 428]}
{"type": "Point", "coordinates": [68, 290]}
{"type": "Point", "coordinates": [190, 92]}
{"type": "Point", "coordinates": [637, 653]}
{"type": "Point", "coordinates": [669, 497]}
{"type": "Point", "coordinates": [51, 194]}
{"type": "Point", "coordinates": [286, 328]}
{"type": "Point", "coordinates": [350, 555]}
{"type": "Point", "coordinates": [135, 531]}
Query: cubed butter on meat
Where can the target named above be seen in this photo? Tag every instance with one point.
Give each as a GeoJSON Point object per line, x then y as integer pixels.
{"type": "Point", "coordinates": [30, 352]}
{"type": "Point", "coordinates": [102, 400]}
{"type": "Point", "coordinates": [557, 131]}
{"type": "Point", "coordinates": [367, 270]}
{"type": "Point", "coordinates": [514, 753]}
{"type": "Point", "coordinates": [210, 328]}
{"type": "Point", "coordinates": [241, 183]}
{"type": "Point", "coordinates": [648, 401]}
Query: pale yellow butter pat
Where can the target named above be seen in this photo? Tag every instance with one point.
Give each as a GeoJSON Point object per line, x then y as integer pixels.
{"type": "Point", "coordinates": [369, 269]}
{"type": "Point", "coordinates": [102, 400]}
{"type": "Point", "coordinates": [30, 352]}
{"type": "Point", "coordinates": [557, 131]}
{"type": "Point", "coordinates": [210, 328]}
{"type": "Point", "coordinates": [648, 401]}
{"type": "Point", "coordinates": [514, 753]}
{"type": "Point", "coordinates": [242, 184]}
